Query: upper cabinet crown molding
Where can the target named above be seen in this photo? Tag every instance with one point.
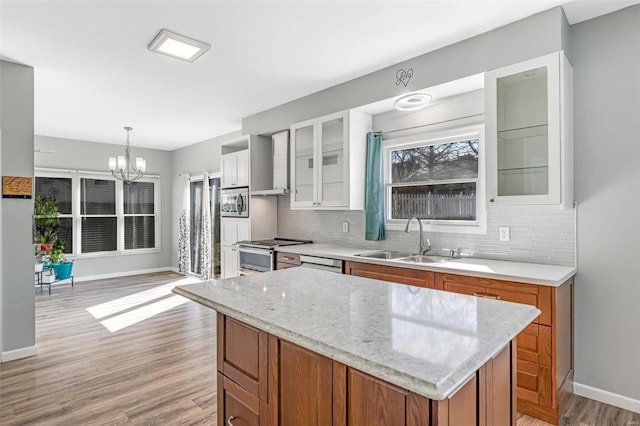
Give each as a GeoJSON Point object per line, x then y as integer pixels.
{"type": "Point", "coordinates": [328, 157]}
{"type": "Point", "coordinates": [529, 132]}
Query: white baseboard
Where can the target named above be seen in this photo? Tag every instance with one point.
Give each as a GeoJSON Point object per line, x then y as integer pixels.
{"type": "Point", "coordinates": [124, 274]}
{"type": "Point", "coordinates": [18, 353]}
{"type": "Point", "coordinates": [607, 397]}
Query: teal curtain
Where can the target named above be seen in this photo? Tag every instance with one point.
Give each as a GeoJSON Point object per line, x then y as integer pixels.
{"type": "Point", "coordinates": [374, 189]}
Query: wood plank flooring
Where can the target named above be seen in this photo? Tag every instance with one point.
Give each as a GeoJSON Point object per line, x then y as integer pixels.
{"type": "Point", "coordinates": [160, 370]}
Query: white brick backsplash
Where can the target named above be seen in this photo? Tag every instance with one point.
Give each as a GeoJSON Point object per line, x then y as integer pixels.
{"type": "Point", "coordinates": [537, 235]}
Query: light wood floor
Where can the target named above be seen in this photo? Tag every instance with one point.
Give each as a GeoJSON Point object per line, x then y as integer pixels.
{"type": "Point", "coordinates": [160, 370]}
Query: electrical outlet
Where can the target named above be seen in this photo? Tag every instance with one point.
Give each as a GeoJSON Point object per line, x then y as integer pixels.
{"type": "Point", "coordinates": [345, 226]}
{"type": "Point", "coordinates": [504, 233]}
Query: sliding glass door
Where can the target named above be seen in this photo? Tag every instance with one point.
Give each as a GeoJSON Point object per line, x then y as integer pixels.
{"type": "Point", "coordinates": [196, 222]}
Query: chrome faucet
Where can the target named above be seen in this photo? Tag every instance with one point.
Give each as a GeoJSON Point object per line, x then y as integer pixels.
{"type": "Point", "coordinates": [422, 248]}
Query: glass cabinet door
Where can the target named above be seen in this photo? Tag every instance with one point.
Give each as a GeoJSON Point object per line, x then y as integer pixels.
{"type": "Point", "coordinates": [303, 165]}
{"type": "Point", "coordinates": [523, 132]}
{"type": "Point", "coordinates": [331, 151]}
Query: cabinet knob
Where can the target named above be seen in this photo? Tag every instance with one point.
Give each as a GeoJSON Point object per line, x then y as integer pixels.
{"type": "Point", "coordinates": [491, 200]}
{"type": "Point", "coordinates": [229, 420]}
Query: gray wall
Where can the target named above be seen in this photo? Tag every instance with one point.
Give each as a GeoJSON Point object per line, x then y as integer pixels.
{"type": "Point", "coordinates": [534, 36]}
{"type": "Point", "coordinates": [193, 159]}
{"type": "Point", "coordinates": [16, 121]}
{"type": "Point", "coordinates": [537, 234]}
{"type": "Point", "coordinates": [606, 59]}
{"type": "Point", "coordinates": [91, 156]}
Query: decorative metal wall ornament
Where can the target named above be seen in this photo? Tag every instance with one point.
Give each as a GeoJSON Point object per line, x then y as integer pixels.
{"type": "Point", "coordinates": [403, 76]}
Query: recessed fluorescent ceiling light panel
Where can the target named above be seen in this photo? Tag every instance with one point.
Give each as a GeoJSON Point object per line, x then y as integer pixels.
{"type": "Point", "coordinates": [412, 101]}
{"type": "Point", "coordinates": [178, 46]}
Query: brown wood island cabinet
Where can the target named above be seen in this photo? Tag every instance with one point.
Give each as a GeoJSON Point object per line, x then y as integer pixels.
{"type": "Point", "coordinates": [264, 380]}
{"type": "Point", "coordinates": [545, 347]}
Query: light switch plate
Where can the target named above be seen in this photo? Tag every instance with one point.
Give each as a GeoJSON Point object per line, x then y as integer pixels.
{"type": "Point", "coordinates": [504, 233]}
{"type": "Point", "coordinates": [345, 226]}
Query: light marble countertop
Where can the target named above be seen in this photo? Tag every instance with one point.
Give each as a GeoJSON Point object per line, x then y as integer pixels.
{"type": "Point", "coordinates": [427, 341]}
{"type": "Point", "coordinates": [533, 273]}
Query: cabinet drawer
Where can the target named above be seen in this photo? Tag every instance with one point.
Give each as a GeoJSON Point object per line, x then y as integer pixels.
{"type": "Point", "coordinates": [534, 344]}
{"type": "Point", "coordinates": [242, 355]}
{"type": "Point", "coordinates": [529, 294]}
{"type": "Point", "coordinates": [534, 383]}
{"type": "Point", "coordinates": [290, 258]}
{"type": "Point", "coordinates": [236, 404]}
{"type": "Point", "coordinates": [391, 273]}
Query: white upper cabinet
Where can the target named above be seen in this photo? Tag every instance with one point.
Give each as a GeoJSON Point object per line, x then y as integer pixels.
{"type": "Point", "coordinates": [235, 169]}
{"type": "Point", "coordinates": [529, 136]}
{"type": "Point", "coordinates": [328, 161]}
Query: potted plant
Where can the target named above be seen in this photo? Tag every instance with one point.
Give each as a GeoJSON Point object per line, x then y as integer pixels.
{"type": "Point", "coordinates": [46, 221]}
{"type": "Point", "coordinates": [61, 267]}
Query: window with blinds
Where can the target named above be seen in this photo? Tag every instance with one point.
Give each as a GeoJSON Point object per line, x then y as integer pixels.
{"type": "Point", "coordinates": [61, 189]}
{"type": "Point", "coordinates": [139, 215]}
{"type": "Point", "coordinates": [100, 214]}
{"type": "Point", "coordinates": [98, 217]}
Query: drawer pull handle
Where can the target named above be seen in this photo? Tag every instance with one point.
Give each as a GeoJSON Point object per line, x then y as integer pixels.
{"type": "Point", "coordinates": [487, 295]}
{"type": "Point", "coordinates": [287, 258]}
{"type": "Point", "coordinates": [229, 420]}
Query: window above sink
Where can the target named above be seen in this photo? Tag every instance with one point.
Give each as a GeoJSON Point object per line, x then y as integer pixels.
{"type": "Point", "coordinates": [439, 177]}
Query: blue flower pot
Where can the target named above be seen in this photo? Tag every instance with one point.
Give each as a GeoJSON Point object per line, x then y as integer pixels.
{"type": "Point", "coordinates": [62, 270]}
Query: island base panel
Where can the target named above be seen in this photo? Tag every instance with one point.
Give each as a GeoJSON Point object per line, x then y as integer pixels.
{"type": "Point", "coordinates": [307, 388]}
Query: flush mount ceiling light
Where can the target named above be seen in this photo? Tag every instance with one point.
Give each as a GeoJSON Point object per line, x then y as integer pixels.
{"type": "Point", "coordinates": [412, 101]}
{"type": "Point", "coordinates": [177, 46]}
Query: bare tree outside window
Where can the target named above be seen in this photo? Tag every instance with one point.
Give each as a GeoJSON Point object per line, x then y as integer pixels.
{"type": "Point", "coordinates": [435, 181]}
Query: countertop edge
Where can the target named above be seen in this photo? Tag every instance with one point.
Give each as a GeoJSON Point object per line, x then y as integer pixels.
{"type": "Point", "coordinates": [441, 267]}
{"type": "Point", "coordinates": [440, 391]}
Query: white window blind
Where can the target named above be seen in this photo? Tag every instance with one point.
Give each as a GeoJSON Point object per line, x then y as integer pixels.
{"type": "Point", "coordinates": [139, 215]}
{"type": "Point", "coordinates": [99, 223]}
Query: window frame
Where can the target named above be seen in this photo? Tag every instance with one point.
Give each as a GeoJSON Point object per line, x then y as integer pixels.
{"type": "Point", "coordinates": [61, 175]}
{"type": "Point", "coordinates": [477, 226]}
{"type": "Point", "coordinates": [76, 176]}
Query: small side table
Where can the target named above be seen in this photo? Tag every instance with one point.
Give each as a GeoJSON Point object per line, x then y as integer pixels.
{"type": "Point", "coordinates": [45, 276]}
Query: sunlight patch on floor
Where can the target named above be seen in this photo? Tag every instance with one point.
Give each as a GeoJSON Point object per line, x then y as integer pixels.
{"type": "Point", "coordinates": [124, 303]}
{"type": "Point", "coordinates": [145, 312]}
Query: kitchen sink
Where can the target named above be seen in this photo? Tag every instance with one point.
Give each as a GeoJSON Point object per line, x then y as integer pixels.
{"type": "Point", "coordinates": [383, 254]}
{"type": "Point", "coordinates": [422, 259]}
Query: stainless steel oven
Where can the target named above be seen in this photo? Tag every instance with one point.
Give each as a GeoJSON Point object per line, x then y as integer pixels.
{"type": "Point", "coordinates": [258, 256]}
{"type": "Point", "coordinates": [234, 202]}
{"type": "Point", "coordinates": [252, 260]}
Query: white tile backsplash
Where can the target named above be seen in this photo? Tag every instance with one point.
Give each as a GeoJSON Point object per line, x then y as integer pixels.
{"type": "Point", "coordinates": [537, 235]}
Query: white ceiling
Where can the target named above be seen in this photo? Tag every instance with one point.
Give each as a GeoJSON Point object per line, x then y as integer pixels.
{"type": "Point", "coordinates": [94, 75]}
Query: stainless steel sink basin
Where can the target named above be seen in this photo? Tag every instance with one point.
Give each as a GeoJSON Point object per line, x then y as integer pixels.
{"type": "Point", "coordinates": [422, 259]}
{"type": "Point", "coordinates": [383, 254]}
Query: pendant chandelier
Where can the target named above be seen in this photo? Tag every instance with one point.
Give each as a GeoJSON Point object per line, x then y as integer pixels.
{"type": "Point", "coordinates": [122, 168]}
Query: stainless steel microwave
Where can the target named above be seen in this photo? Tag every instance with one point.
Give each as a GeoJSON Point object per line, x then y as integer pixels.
{"type": "Point", "coordinates": [234, 202]}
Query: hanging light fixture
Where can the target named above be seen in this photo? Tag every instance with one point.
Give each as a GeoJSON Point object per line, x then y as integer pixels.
{"type": "Point", "coordinates": [122, 168]}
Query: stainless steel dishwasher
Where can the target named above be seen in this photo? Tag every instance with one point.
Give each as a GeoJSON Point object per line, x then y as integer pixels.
{"type": "Point", "coordinates": [322, 263]}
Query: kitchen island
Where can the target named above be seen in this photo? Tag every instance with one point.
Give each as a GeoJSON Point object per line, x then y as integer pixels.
{"type": "Point", "coordinates": [302, 346]}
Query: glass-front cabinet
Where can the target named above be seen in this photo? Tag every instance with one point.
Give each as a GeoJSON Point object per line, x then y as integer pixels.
{"type": "Point", "coordinates": [529, 132]}
{"type": "Point", "coordinates": [327, 158]}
